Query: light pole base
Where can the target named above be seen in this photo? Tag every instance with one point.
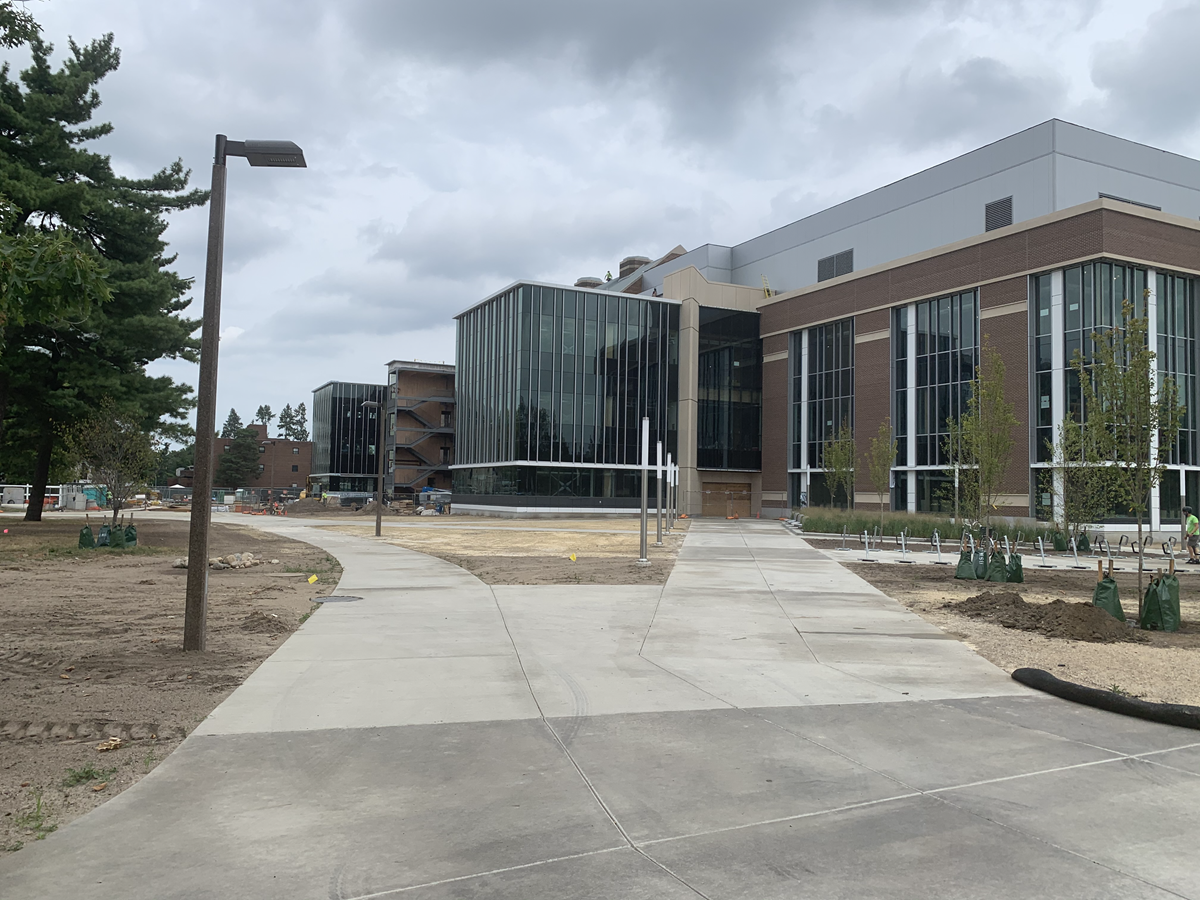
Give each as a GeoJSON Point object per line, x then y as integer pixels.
{"type": "Point", "coordinates": [642, 562]}
{"type": "Point", "coordinates": [658, 543]}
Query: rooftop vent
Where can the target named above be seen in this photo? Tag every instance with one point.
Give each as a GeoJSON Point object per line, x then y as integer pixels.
{"type": "Point", "coordinates": [836, 265]}
{"type": "Point", "coordinates": [632, 264]}
{"type": "Point", "coordinates": [1131, 202]}
{"type": "Point", "coordinates": [997, 214]}
{"type": "Point", "coordinates": [588, 281]}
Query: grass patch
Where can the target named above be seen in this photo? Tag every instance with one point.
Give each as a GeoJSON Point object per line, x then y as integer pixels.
{"type": "Point", "coordinates": [308, 615]}
{"type": "Point", "coordinates": [50, 551]}
{"type": "Point", "coordinates": [327, 566]}
{"type": "Point", "coordinates": [86, 774]}
{"type": "Point", "coordinates": [819, 520]}
{"type": "Point", "coordinates": [37, 819]}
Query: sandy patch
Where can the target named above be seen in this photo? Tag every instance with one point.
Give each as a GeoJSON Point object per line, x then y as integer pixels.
{"type": "Point", "coordinates": [111, 622]}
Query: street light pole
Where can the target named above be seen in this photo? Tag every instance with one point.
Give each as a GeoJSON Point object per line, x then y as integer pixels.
{"type": "Point", "coordinates": [257, 153]}
{"type": "Point", "coordinates": [644, 558]}
{"type": "Point", "coordinates": [371, 404]}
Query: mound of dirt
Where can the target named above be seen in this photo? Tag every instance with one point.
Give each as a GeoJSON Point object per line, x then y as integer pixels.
{"type": "Point", "coordinates": [259, 622]}
{"type": "Point", "coordinates": [1058, 618]}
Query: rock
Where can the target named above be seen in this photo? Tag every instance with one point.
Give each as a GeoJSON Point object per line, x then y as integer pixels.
{"type": "Point", "coordinates": [180, 563]}
{"type": "Point", "coordinates": [274, 562]}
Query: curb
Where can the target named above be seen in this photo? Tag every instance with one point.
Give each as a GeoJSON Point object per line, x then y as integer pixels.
{"type": "Point", "coordinates": [1165, 713]}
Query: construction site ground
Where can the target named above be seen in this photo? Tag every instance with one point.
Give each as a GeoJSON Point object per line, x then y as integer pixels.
{"type": "Point", "coordinates": [1161, 668]}
{"type": "Point", "coordinates": [91, 647]}
{"type": "Point", "coordinates": [523, 551]}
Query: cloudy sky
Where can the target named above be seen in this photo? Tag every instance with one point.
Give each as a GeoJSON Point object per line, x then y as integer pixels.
{"type": "Point", "coordinates": [454, 147]}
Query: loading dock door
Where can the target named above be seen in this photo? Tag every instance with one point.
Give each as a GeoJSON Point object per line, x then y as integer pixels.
{"type": "Point", "coordinates": [722, 499]}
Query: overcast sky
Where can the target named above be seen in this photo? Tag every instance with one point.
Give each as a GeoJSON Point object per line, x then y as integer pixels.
{"type": "Point", "coordinates": [454, 147]}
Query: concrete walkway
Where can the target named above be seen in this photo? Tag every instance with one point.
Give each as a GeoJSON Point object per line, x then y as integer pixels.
{"type": "Point", "coordinates": [766, 725]}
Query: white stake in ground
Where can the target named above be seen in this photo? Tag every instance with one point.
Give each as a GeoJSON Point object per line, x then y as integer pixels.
{"type": "Point", "coordinates": [644, 559]}
{"type": "Point", "coordinates": [659, 472]}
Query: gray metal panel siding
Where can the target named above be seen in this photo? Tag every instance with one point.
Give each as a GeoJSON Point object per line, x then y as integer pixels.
{"type": "Point", "coordinates": [1118, 153]}
{"type": "Point", "coordinates": [1012, 151]}
{"type": "Point", "coordinates": [941, 219]}
{"type": "Point", "coordinates": [1080, 181]}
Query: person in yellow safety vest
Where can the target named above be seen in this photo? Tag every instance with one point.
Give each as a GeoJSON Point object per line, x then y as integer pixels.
{"type": "Point", "coordinates": [1191, 530]}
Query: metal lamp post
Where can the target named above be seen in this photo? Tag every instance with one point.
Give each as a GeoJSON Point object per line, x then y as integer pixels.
{"type": "Point", "coordinates": [280, 154]}
{"type": "Point", "coordinates": [670, 498]}
{"type": "Point", "coordinates": [659, 471]}
{"type": "Point", "coordinates": [371, 404]}
{"type": "Point", "coordinates": [644, 557]}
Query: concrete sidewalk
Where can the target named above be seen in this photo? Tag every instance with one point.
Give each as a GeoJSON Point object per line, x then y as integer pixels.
{"type": "Point", "coordinates": [765, 725]}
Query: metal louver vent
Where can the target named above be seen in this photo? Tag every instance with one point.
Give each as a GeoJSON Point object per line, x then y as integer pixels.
{"type": "Point", "coordinates": [997, 214]}
{"type": "Point", "coordinates": [836, 265]}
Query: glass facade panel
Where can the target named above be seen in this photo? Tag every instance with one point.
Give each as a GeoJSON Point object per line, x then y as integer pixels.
{"type": "Point", "coordinates": [729, 411]}
{"type": "Point", "coordinates": [1177, 357]}
{"type": "Point", "coordinates": [830, 384]}
{"type": "Point", "coordinates": [900, 386]}
{"type": "Point", "coordinates": [560, 376]}
{"type": "Point", "coordinates": [947, 354]}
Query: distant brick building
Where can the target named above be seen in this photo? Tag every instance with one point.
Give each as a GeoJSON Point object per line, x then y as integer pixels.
{"type": "Point", "coordinates": [421, 440]}
{"type": "Point", "coordinates": [283, 467]}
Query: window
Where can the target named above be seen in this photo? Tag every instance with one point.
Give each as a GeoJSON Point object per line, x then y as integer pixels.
{"type": "Point", "coordinates": [262, 448]}
{"type": "Point", "coordinates": [830, 385]}
{"type": "Point", "coordinates": [998, 214]}
{"type": "Point", "coordinates": [295, 451]}
{"type": "Point", "coordinates": [835, 266]}
{"type": "Point", "coordinates": [947, 354]}
{"type": "Point", "coordinates": [1043, 411]}
{"type": "Point", "coordinates": [226, 448]}
{"type": "Point", "coordinates": [295, 468]}
{"type": "Point", "coordinates": [260, 468]}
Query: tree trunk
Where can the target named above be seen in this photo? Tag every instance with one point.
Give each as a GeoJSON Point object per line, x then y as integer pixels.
{"type": "Point", "coordinates": [1141, 566]}
{"type": "Point", "coordinates": [41, 474]}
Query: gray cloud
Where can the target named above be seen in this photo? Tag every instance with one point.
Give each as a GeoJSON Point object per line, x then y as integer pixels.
{"type": "Point", "coordinates": [456, 147]}
{"type": "Point", "coordinates": [1150, 81]}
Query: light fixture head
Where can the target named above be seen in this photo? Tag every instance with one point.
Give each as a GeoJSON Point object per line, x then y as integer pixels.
{"type": "Point", "coordinates": [276, 154]}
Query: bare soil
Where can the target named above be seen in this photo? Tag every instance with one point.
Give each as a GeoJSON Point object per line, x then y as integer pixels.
{"type": "Point", "coordinates": [1150, 664]}
{"type": "Point", "coordinates": [1058, 618]}
{"type": "Point", "coordinates": [506, 551]}
{"type": "Point", "coordinates": [91, 648]}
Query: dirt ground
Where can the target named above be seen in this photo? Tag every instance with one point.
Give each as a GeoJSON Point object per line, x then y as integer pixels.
{"type": "Point", "coordinates": [508, 551]}
{"type": "Point", "coordinates": [91, 648]}
{"type": "Point", "coordinates": [1161, 668]}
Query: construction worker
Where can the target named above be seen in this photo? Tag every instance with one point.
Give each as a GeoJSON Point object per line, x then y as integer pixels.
{"type": "Point", "coordinates": [1191, 531]}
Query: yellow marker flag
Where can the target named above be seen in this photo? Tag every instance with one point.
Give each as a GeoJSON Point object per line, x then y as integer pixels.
{"type": "Point", "coordinates": [312, 579]}
{"type": "Point", "coordinates": [571, 557]}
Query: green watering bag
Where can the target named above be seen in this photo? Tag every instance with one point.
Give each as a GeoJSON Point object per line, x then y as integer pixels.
{"type": "Point", "coordinates": [1016, 572]}
{"type": "Point", "coordinates": [981, 565]}
{"type": "Point", "coordinates": [1082, 544]}
{"type": "Point", "coordinates": [102, 537]}
{"type": "Point", "coordinates": [1108, 598]}
{"type": "Point", "coordinates": [1060, 542]}
{"type": "Point", "coordinates": [996, 569]}
{"type": "Point", "coordinates": [966, 568]}
{"type": "Point", "coordinates": [1160, 609]}
{"type": "Point", "coordinates": [116, 538]}
{"type": "Point", "coordinates": [86, 540]}
{"type": "Point", "coordinates": [131, 536]}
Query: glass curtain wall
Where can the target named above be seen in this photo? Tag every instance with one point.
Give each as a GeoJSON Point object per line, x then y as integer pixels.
{"type": "Point", "coordinates": [900, 405]}
{"type": "Point", "coordinates": [830, 385]}
{"type": "Point", "coordinates": [345, 436]}
{"type": "Point", "coordinates": [729, 412]}
{"type": "Point", "coordinates": [947, 352]}
{"type": "Point", "coordinates": [562, 377]}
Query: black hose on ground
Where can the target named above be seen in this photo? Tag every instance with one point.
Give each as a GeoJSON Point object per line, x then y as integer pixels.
{"type": "Point", "coordinates": [1165, 713]}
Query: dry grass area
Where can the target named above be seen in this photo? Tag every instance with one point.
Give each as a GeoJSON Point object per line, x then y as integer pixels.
{"type": "Point", "coordinates": [91, 648]}
{"type": "Point", "coordinates": [1163, 668]}
{"type": "Point", "coordinates": [514, 551]}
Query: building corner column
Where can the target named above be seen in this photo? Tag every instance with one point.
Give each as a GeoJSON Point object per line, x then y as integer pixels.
{"type": "Point", "coordinates": [690, 499]}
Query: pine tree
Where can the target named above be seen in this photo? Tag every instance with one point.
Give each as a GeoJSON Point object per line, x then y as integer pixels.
{"type": "Point", "coordinates": [264, 415]}
{"type": "Point", "coordinates": [53, 374]}
{"type": "Point", "coordinates": [300, 429]}
{"type": "Point", "coordinates": [239, 466]}
{"type": "Point", "coordinates": [287, 422]}
{"type": "Point", "coordinates": [233, 424]}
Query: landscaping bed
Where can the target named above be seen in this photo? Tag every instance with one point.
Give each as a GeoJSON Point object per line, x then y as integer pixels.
{"type": "Point", "coordinates": [91, 649]}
